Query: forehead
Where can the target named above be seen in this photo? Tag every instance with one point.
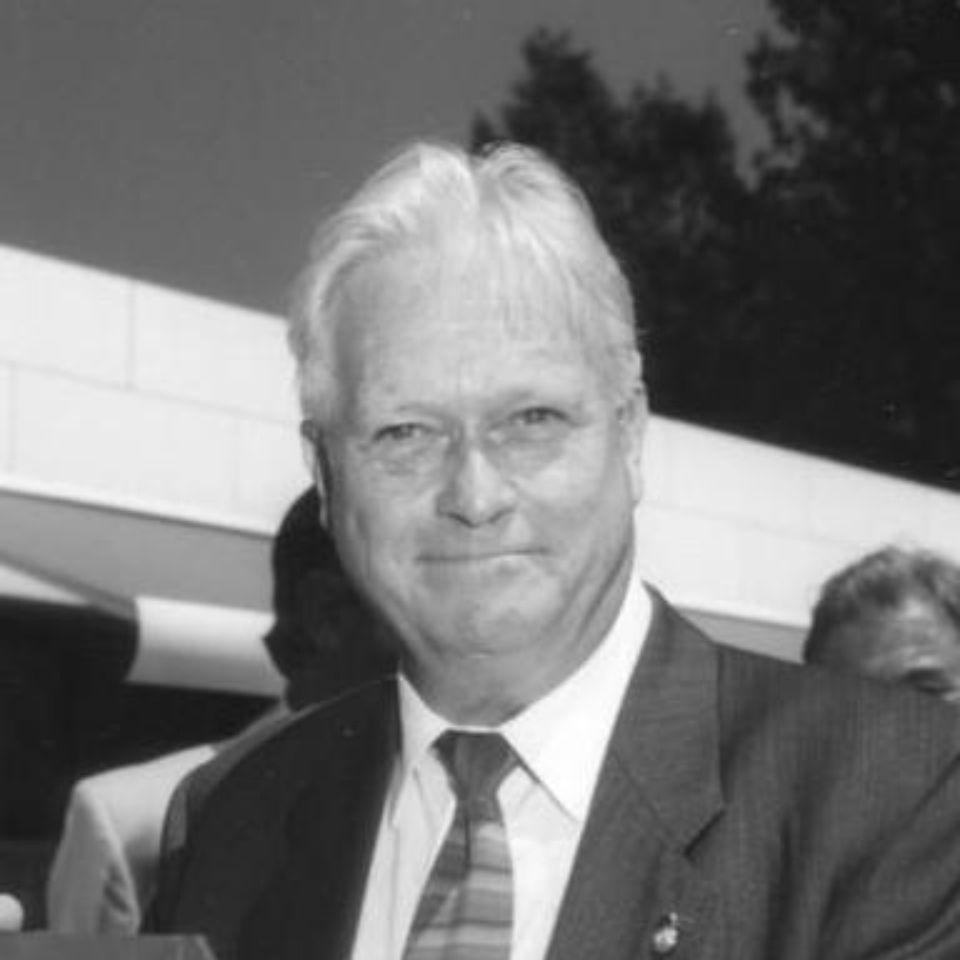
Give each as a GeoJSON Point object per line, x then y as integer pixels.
{"type": "Point", "coordinates": [458, 317]}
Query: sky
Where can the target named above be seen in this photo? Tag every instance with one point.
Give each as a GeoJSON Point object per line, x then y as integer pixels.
{"type": "Point", "coordinates": [196, 143]}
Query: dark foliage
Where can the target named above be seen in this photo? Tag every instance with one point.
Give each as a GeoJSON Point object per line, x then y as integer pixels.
{"type": "Point", "coordinates": [815, 304]}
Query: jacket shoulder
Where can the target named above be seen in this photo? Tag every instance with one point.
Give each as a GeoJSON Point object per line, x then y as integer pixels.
{"type": "Point", "coordinates": [854, 731]}
{"type": "Point", "coordinates": [257, 756]}
{"type": "Point", "coordinates": [818, 721]}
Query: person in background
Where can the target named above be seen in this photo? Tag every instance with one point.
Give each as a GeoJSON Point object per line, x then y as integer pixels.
{"type": "Point", "coordinates": [561, 766]}
{"type": "Point", "coordinates": [324, 638]}
{"type": "Point", "coordinates": [893, 615]}
{"type": "Point", "coordinates": [103, 870]}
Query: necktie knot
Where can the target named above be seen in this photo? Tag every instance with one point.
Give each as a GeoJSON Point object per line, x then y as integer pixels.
{"type": "Point", "coordinates": [476, 763]}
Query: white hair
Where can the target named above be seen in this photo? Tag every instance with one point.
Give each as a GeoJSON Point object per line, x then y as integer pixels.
{"type": "Point", "coordinates": [530, 223]}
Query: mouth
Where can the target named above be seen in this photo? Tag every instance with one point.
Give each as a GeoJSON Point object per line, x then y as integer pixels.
{"type": "Point", "coordinates": [472, 557]}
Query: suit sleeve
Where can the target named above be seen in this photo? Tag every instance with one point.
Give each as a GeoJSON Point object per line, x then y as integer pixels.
{"type": "Point", "coordinates": [89, 887]}
{"type": "Point", "coordinates": [905, 901]}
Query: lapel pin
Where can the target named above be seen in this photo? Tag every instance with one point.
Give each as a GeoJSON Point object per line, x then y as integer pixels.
{"type": "Point", "coordinates": [666, 938]}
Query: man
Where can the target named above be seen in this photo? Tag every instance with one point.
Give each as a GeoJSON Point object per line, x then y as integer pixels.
{"type": "Point", "coordinates": [893, 615]}
{"type": "Point", "coordinates": [615, 784]}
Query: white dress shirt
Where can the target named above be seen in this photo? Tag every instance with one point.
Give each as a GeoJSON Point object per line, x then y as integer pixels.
{"type": "Point", "coordinates": [561, 740]}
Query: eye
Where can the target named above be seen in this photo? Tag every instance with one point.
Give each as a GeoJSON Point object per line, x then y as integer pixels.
{"type": "Point", "coordinates": [929, 681]}
{"type": "Point", "coordinates": [536, 416]}
{"type": "Point", "coordinates": [407, 445]}
{"type": "Point", "coordinates": [537, 420]}
{"type": "Point", "coordinates": [401, 433]}
{"type": "Point", "coordinates": [533, 426]}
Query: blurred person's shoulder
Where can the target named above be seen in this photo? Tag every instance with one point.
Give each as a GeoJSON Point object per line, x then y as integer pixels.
{"type": "Point", "coordinates": [270, 761]}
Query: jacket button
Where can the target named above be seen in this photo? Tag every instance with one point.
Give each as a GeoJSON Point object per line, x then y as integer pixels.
{"type": "Point", "coordinates": [666, 938]}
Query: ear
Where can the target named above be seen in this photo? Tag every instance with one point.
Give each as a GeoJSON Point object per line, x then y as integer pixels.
{"type": "Point", "coordinates": [317, 461]}
{"type": "Point", "coordinates": [633, 416]}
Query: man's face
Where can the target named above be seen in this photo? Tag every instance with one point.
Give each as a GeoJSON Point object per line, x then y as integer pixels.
{"type": "Point", "coordinates": [481, 479]}
{"type": "Point", "coordinates": [912, 644]}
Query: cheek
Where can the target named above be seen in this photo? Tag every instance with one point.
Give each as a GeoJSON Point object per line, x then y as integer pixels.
{"type": "Point", "coordinates": [375, 526]}
{"type": "Point", "coordinates": [593, 509]}
{"type": "Point", "coordinates": [588, 480]}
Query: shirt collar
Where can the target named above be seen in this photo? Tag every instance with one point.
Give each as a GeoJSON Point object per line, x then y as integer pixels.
{"type": "Point", "coordinates": [562, 737]}
{"type": "Point", "coordinates": [419, 728]}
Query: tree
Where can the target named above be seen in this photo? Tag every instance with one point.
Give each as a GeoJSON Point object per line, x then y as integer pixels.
{"type": "Point", "coordinates": [817, 304]}
{"type": "Point", "coordinates": [662, 178]}
{"type": "Point", "coordinates": [861, 196]}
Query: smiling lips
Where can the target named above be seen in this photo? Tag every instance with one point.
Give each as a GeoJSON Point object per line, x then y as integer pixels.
{"type": "Point", "coordinates": [468, 557]}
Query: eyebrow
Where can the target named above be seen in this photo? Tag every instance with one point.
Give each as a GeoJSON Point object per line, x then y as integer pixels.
{"type": "Point", "coordinates": [559, 393]}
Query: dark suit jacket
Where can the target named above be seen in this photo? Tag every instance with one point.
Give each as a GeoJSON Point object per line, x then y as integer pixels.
{"type": "Point", "coordinates": [766, 811]}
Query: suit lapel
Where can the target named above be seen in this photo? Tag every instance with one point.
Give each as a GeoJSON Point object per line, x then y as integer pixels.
{"type": "Point", "coordinates": [659, 789]}
{"type": "Point", "coordinates": [312, 905]}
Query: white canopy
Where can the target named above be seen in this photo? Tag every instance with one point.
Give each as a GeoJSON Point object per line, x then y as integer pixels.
{"type": "Point", "coordinates": [198, 590]}
{"type": "Point", "coordinates": [97, 549]}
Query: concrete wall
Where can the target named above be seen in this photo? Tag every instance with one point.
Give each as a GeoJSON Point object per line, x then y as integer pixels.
{"type": "Point", "coordinates": [116, 388]}
{"type": "Point", "coordinates": [740, 527]}
{"type": "Point", "coordinates": [121, 388]}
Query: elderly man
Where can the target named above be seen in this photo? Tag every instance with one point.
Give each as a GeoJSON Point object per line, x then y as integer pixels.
{"type": "Point", "coordinates": [893, 615]}
{"type": "Point", "coordinates": [561, 767]}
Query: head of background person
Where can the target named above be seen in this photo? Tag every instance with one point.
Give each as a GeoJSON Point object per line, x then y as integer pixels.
{"type": "Point", "coordinates": [893, 615]}
{"type": "Point", "coordinates": [324, 638]}
{"type": "Point", "coordinates": [471, 386]}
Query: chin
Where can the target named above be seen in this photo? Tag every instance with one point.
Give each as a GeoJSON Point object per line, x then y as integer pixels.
{"type": "Point", "coordinates": [485, 625]}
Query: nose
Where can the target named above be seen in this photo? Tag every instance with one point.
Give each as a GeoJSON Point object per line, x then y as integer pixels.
{"type": "Point", "coordinates": [475, 491]}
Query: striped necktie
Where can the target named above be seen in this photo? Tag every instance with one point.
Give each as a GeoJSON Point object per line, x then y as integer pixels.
{"type": "Point", "coordinates": [466, 908]}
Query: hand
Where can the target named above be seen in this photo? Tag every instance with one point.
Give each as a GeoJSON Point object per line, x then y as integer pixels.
{"type": "Point", "coordinates": [11, 914]}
